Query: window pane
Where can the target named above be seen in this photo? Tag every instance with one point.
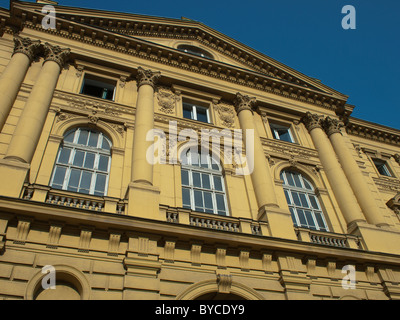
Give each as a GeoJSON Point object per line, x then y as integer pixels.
{"type": "Point", "coordinates": [307, 184]}
{"type": "Point", "coordinates": [320, 221]}
{"type": "Point", "coordinates": [70, 137]}
{"type": "Point", "coordinates": [293, 216]}
{"type": "Point", "coordinates": [187, 111]}
{"type": "Point", "coordinates": [289, 179]}
{"type": "Point", "coordinates": [105, 145]}
{"type": "Point", "coordinates": [296, 199]}
{"type": "Point", "coordinates": [314, 202]}
{"type": "Point", "coordinates": [196, 179]}
{"type": "Point", "coordinates": [310, 220]}
{"type": "Point", "coordinates": [100, 183]}
{"type": "Point", "coordinates": [194, 156]}
{"type": "Point", "coordinates": [103, 163]}
{"type": "Point", "coordinates": [217, 183]}
{"type": "Point", "coordinates": [303, 200]}
{"type": "Point", "coordinates": [85, 182]}
{"type": "Point", "coordinates": [287, 197]}
{"type": "Point", "coordinates": [78, 159]}
{"type": "Point", "coordinates": [208, 201]}
{"type": "Point", "coordinates": [83, 137]}
{"type": "Point", "coordinates": [93, 139]}
{"type": "Point", "coordinates": [206, 181]}
{"type": "Point", "coordinates": [204, 161]}
{"type": "Point", "coordinates": [297, 180]}
{"type": "Point", "coordinates": [186, 198]}
{"type": "Point", "coordinates": [284, 135]}
{"type": "Point", "coordinates": [220, 202]}
{"type": "Point", "coordinates": [89, 160]}
{"type": "Point", "coordinates": [185, 177]}
{"type": "Point", "coordinates": [198, 199]}
{"type": "Point", "coordinates": [74, 180]}
{"type": "Point", "coordinates": [214, 164]}
{"type": "Point", "coordinates": [202, 115]}
{"type": "Point", "coordinates": [64, 155]}
{"type": "Point", "coordinates": [59, 176]}
{"type": "Point", "coordinates": [302, 218]}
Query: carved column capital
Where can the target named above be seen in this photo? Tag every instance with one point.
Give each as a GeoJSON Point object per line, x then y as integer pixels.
{"type": "Point", "coordinates": [56, 54]}
{"type": "Point", "coordinates": [244, 103]}
{"type": "Point", "coordinates": [26, 46]}
{"type": "Point", "coordinates": [332, 126]}
{"type": "Point", "coordinates": [312, 121]}
{"type": "Point", "coordinates": [147, 77]}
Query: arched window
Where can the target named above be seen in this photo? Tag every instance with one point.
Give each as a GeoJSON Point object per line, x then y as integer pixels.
{"type": "Point", "coordinates": [83, 162]}
{"type": "Point", "coordinates": [303, 203]}
{"type": "Point", "coordinates": [203, 187]}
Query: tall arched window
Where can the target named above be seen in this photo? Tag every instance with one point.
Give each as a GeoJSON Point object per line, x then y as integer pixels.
{"type": "Point", "coordinates": [303, 203]}
{"type": "Point", "coordinates": [83, 162]}
{"type": "Point", "coordinates": [203, 187]}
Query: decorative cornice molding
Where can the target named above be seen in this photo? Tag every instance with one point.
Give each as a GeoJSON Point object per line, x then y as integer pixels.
{"type": "Point", "coordinates": [147, 77]}
{"type": "Point", "coordinates": [26, 46]}
{"type": "Point", "coordinates": [373, 132]}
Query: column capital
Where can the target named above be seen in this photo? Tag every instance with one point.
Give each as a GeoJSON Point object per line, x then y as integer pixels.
{"type": "Point", "coordinates": [147, 77]}
{"type": "Point", "coordinates": [244, 103]}
{"type": "Point", "coordinates": [332, 126]}
{"type": "Point", "coordinates": [312, 121]}
{"type": "Point", "coordinates": [56, 53]}
{"type": "Point", "coordinates": [26, 46]}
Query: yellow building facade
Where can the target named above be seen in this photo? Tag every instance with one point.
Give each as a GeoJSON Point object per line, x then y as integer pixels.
{"type": "Point", "coordinates": [295, 197]}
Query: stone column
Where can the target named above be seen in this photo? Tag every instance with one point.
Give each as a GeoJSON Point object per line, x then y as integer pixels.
{"type": "Point", "coordinates": [143, 196]}
{"type": "Point", "coordinates": [29, 128]}
{"type": "Point", "coordinates": [279, 221]}
{"type": "Point", "coordinates": [353, 173]}
{"type": "Point", "coordinates": [343, 193]}
{"type": "Point", "coordinates": [142, 170]}
{"type": "Point", "coordinates": [261, 176]}
{"type": "Point", "coordinates": [14, 74]}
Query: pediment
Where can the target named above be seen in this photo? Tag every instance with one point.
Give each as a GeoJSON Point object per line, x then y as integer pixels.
{"type": "Point", "coordinates": [159, 38]}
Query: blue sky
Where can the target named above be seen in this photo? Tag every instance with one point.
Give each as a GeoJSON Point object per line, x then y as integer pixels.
{"type": "Point", "coordinates": [307, 36]}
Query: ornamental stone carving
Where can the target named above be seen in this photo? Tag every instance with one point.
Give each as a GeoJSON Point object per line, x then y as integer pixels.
{"type": "Point", "coordinates": [312, 121]}
{"type": "Point", "coordinates": [226, 114]}
{"type": "Point", "coordinates": [26, 46]}
{"type": "Point", "coordinates": [147, 77]}
{"type": "Point", "coordinates": [332, 126]}
{"type": "Point", "coordinates": [244, 103]}
{"type": "Point", "coordinates": [167, 101]}
{"type": "Point", "coordinates": [56, 54]}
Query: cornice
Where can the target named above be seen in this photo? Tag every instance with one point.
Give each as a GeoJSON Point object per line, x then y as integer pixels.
{"type": "Point", "coordinates": [372, 131]}
{"type": "Point", "coordinates": [28, 15]}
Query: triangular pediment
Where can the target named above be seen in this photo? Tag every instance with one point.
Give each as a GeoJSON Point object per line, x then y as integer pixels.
{"type": "Point", "coordinates": [160, 38]}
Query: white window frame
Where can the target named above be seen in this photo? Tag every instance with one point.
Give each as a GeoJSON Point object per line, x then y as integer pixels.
{"type": "Point", "coordinates": [308, 192]}
{"type": "Point", "coordinates": [211, 172]}
{"type": "Point", "coordinates": [275, 127]}
{"type": "Point", "coordinates": [74, 147]}
{"type": "Point", "coordinates": [194, 111]}
{"type": "Point", "coordinates": [385, 167]}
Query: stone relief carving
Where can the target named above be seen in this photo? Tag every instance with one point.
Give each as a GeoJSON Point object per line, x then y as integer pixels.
{"type": "Point", "coordinates": [226, 114]}
{"type": "Point", "coordinates": [167, 100]}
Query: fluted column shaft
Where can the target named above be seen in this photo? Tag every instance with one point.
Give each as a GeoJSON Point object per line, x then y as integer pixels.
{"type": "Point", "coordinates": [142, 169]}
{"type": "Point", "coordinates": [340, 186]}
{"type": "Point", "coordinates": [14, 74]}
{"type": "Point", "coordinates": [29, 128]}
{"type": "Point", "coordinates": [261, 175]}
{"type": "Point", "coordinates": [353, 173]}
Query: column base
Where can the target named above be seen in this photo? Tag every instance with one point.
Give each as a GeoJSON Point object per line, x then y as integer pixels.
{"type": "Point", "coordinates": [377, 239]}
{"type": "Point", "coordinates": [280, 222]}
{"type": "Point", "coordinates": [144, 201]}
{"type": "Point", "coordinates": [14, 175]}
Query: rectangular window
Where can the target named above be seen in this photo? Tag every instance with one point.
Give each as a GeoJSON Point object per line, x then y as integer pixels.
{"type": "Point", "coordinates": [195, 112]}
{"type": "Point", "coordinates": [98, 87]}
{"type": "Point", "coordinates": [281, 133]}
{"type": "Point", "coordinates": [382, 167]}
